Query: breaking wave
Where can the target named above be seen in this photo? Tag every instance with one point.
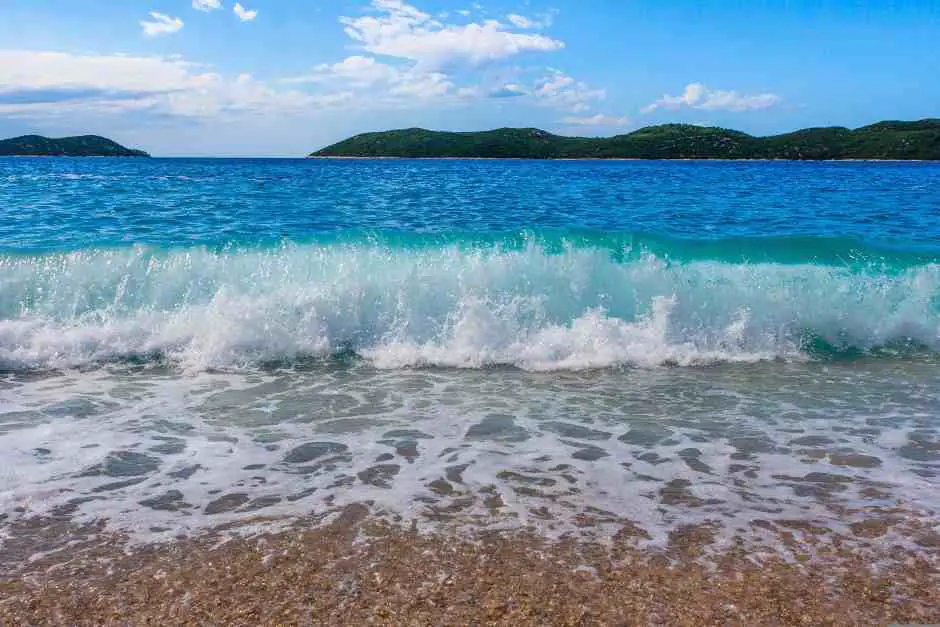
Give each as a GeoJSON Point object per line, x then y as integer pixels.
{"type": "Point", "coordinates": [533, 301]}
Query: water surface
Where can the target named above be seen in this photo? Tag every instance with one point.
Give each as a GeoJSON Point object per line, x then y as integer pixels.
{"type": "Point", "coordinates": [188, 342]}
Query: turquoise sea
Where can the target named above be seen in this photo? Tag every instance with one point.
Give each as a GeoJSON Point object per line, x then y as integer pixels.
{"type": "Point", "coordinates": [185, 343]}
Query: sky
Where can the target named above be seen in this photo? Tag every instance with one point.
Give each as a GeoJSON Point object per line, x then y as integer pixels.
{"type": "Point", "coordinates": [286, 77]}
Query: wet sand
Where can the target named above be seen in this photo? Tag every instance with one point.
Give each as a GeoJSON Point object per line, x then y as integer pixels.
{"type": "Point", "coordinates": [357, 570]}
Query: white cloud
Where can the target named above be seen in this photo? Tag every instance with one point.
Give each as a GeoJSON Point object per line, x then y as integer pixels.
{"type": "Point", "coordinates": [596, 120]}
{"type": "Point", "coordinates": [360, 72]}
{"type": "Point", "coordinates": [423, 86]}
{"type": "Point", "coordinates": [44, 83]}
{"type": "Point", "coordinates": [364, 70]}
{"type": "Point", "coordinates": [698, 96]}
{"type": "Point", "coordinates": [564, 92]}
{"type": "Point", "coordinates": [357, 69]}
{"type": "Point", "coordinates": [554, 83]}
{"type": "Point", "coordinates": [519, 21]}
{"type": "Point", "coordinates": [161, 25]}
{"type": "Point", "coordinates": [397, 29]}
{"type": "Point", "coordinates": [244, 95]}
{"type": "Point", "coordinates": [244, 14]}
{"type": "Point", "coordinates": [417, 48]}
{"type": "Point", "coordinates": [384, 84]}
{"type": "Point", "coordinates": [406, 58]}
{"type": "Point", "coordinates": [34, 70]}
{"type": "Point", "coordinates": [207, 5]}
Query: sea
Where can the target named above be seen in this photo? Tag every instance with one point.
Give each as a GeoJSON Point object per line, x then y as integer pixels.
{"type": "Point", "coordinates": [558, 346]}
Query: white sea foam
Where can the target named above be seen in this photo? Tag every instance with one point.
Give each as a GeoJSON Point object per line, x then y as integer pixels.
{"type": "Point", "coordinates": [150, 450]}
{"type": "Point", "coordinates": [159, 396]}
{"type": "Point", "coordinates": [449, 306]}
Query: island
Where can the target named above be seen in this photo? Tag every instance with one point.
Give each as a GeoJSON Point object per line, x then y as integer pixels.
{"type": "Point", "coordinates": [918, 140]}
{"type": "Point", "coordinates": [81, 146]}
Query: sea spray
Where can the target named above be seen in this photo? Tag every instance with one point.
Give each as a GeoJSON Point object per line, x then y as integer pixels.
{"type": "Point", "coordinates": [530, 302]}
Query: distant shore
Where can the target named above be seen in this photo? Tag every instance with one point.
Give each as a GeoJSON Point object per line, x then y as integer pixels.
{"type": "Point", "coordinates": [684, 159]}
{"type": "Point", "coordinates": [78, 146]}
{"type": "Point", "coordinates": [588, 159]}
{"type": "Point", "coordinates": [887, 140]}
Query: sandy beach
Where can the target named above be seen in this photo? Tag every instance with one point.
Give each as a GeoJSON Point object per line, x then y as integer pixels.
{"type": "Point", "coordinates": [357, 570]}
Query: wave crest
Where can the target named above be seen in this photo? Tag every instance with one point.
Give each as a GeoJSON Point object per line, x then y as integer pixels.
{"type": "Point", "coordinates": [535, 307]}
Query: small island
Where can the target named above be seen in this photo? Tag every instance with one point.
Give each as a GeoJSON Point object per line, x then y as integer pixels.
{"type": "Point", "coordinates": [890, 140]}
{"type": "Point", "coordinates": [81, 146]}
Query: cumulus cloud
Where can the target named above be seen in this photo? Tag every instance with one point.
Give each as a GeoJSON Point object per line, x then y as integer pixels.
{"type": "Point", "coordinates": [357, 70]}
{"type": "Point", "coordinates": [244, 14]}
{"type": "Point", "coordinates": [207, 5]}
{"type": "Point", "coordinates": [415, 55]}
{"type": "Point", "coordinates": [161, 25]}
{"type": "Point", "coordinates": [43, 83]}
{"type": "Point", "coordinates": [423, 86]}
{"type": "Point", "coordinates": [397, 29]}
{"type": "Point", "coordinates": [405, 55]}
{"type": "Point", "coordinates": [380, 83]}
{"type": "Point", "coordinates": [361, 72]}
{"type": "Point", "coordinates": [698, 96]}
{"type": "Point", "coordinates": [564, 92]}
{"type": "Point", "coordinates": [596, 120]}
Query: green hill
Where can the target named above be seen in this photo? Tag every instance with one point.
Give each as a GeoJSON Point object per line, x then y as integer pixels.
{"type": "Point", "coordinates": [83, 146]}
{"type": "Point", "coordinates": [884, 140]}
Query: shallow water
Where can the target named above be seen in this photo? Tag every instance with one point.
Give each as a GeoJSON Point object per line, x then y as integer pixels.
{"type": "Point", "coordinates": [185, 343]}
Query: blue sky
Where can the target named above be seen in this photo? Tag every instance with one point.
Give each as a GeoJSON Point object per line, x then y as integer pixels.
{"type": "Point", "coordinates": [284, 77]}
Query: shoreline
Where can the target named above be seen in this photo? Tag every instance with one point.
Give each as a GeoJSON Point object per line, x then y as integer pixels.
{"type": "Point", "coordinates": [357, 569]}
{"type": "Point", "coordinates": [601, 159]}
{"type": "Point", "coordinates": [76, 157]}
{"type": "Point", "coordinates": [399, 158]}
